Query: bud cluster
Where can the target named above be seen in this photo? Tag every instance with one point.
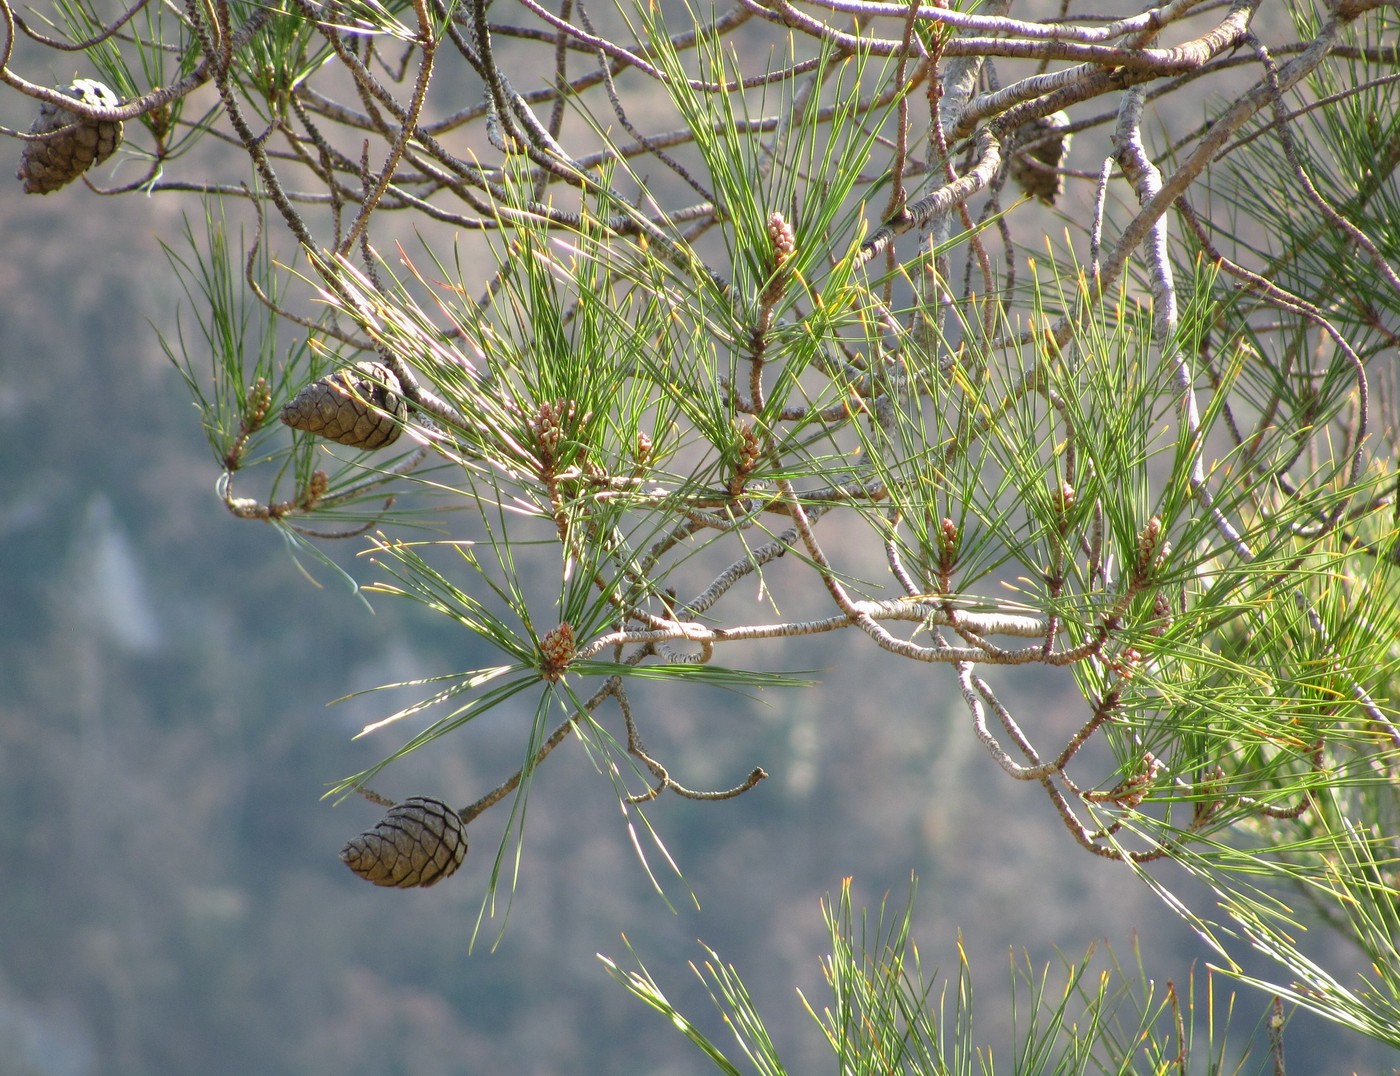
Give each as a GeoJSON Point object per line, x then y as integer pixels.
{"type": "Point", "coordinates": [1064, 498]}
{"type": "Point", "coordinates": [750, 449]}
{"type": "Point", "coordinates": [547, 427]}
{"type": "Point", "coordinates": [1133, 791]}
{"type": "Point", "coordinates": [259, 403]}
{"type": "Point", "coordinates": [556, 651]}
{"type": "Point", "coordinates": [1149, 551]}
{"type": "Point", "coordinates": [316, 488]}
{"type": "Point", "coordinates": [783, 238]}
{"type": "Point", "coordinates": [949, 541]}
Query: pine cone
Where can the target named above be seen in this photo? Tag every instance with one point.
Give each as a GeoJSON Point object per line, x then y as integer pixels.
{"type": "Point", "coordinates": [358, 405]}
{"type": "Point", "coordinates": [54, 162]}
{"type": "Point", "coordinates": [1050, 151]}
{"type": "Point", "coordinates": [418, 843]}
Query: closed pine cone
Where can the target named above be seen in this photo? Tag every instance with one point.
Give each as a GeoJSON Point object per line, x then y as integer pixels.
{"type": "Point", "coordinates": [51, 163]}
{"type": "Point", "coordinates": [359, 405]}
{"type": "Point", "coordinates": [1051, 150]}
{"type": "Point", "coordinates": [417, 844]}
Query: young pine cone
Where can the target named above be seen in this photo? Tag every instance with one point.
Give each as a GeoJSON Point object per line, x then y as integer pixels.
{"type": "Point", "coordinates": [358, 405]}
{"type": "Point", "coordinates": [51, 163]}
{"type": "Point", "coordinates": [1051, 149]}
{"type": "Point", "coordinates": [418, 843]}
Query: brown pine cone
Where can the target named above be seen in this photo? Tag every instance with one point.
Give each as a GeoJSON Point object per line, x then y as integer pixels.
{"type": "Point", "coordinates": [52, 163]}
{"type": "Point", "coordinates": [359, 405]}
{"type": "Point", "coordinates": [1042, 183]}
{"type": "Point", "coordinates": [418, 843]}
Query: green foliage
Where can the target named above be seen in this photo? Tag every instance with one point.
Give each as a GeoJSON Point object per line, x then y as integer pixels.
{"type": "Point", "coordinates": [1086, 1016]}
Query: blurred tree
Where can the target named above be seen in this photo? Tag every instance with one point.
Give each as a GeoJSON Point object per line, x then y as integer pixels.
{"type": "Point", "coordinates": [715, 331]}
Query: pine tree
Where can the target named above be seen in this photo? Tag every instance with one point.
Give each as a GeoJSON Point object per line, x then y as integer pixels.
{"type": "Point", "coordinates": [1063, 342]}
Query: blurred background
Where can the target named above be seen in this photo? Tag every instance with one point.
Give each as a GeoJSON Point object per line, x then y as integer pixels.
{"type": "Point", "coordinates": [172, 897]}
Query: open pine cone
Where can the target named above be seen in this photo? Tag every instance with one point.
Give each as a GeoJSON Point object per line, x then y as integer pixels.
{"type": "Point", "coordinates": [47, 165]}
{"type": "Point", "coordinates": [418, 843]}
{"type": "Point", "coordinates": [359, 405]}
